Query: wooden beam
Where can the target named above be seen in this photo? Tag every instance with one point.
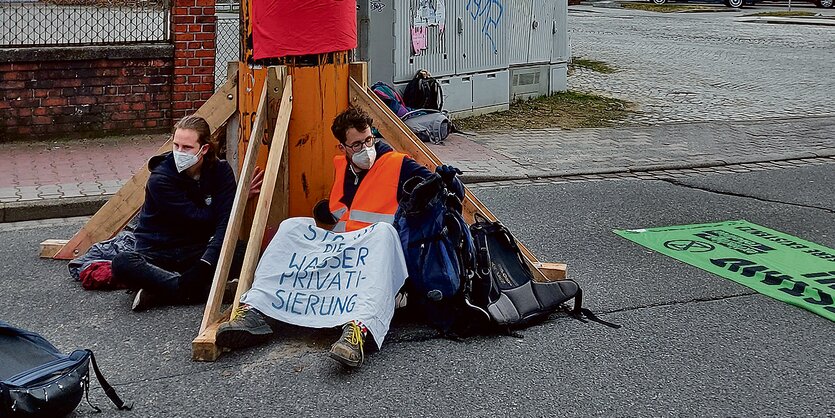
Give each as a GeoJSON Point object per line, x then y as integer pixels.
{"type": "Point", "coordinates": [203, 348]}
{"type": "Point", "coordinates": [232, 125]}
{"type": "Point", "coordinates": [123, 206]}
{"type": "Point", "coordinates": [280, 206]}
{"type": "Point", "coordinates": [51, 247]}
{"type": "Point", "coordinates": [401, 138]}
{"type": "Point", "coordinates": [221, 105]}
{"type": "Point", "coordinates": [359, 72]}
{"type": "Point", "coordinates": [230, 240]}
{"type": "Point", "coordinates": [268, 189]}
{"type": "Point", "coordinates": [552, 271]}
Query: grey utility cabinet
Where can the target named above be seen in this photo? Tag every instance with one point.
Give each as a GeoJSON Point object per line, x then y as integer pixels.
{"type": "Point", "coordinates": [486, 53]}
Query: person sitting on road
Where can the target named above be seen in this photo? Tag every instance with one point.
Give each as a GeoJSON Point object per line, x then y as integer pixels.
{"type": "Point", "coordinates": [181, 226]}
{"type": "Point", "coordinates": [369, 177]}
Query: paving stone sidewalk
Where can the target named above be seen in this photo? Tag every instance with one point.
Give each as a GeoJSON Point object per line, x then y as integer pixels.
{"type": "Point", "coordinates": [690, 67]}
{"type": "Point", "coordinates": [57, 179]}
{"type": "Point", "coordinates": [710, 91]}
{"type": "Point", "coordinates": [68, 177]}
{"type": "Point", "coordinates": [555, 152]}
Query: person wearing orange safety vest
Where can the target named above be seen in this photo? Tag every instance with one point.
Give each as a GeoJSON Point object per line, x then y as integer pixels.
{"type": "Point", "coordinates": [369, 177]}
{"type": "Point", "coordinates": [368, 183]}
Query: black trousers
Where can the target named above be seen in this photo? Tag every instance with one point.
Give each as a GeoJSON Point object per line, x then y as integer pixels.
{"type": "Point", "coordinates": [160, 272]}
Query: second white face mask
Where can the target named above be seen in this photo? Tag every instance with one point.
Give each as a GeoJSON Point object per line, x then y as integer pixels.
{"type": "Point", "coordinates": [364, 159]}
{"type": "Point", "coordinates": [184, 160]}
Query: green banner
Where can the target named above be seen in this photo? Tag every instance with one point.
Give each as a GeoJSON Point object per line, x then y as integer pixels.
{"type": "Point", "coordinates": [775, 264]}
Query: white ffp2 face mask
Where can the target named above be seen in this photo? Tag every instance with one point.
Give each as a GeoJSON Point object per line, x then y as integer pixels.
{"type": "Point", "coordinates": [184, 160]}
{"type": "Point", "coordinates": [364, 159]}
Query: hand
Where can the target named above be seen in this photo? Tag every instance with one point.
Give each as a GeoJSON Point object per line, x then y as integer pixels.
{"type": "Point", "coordinates": [322, 213]}
{"type": "Point", "coordinates": [255, 183]}
{"type": "Point", "coordinates": [447, 173]}
{"type": "Point", "coordinates": [200, 274]}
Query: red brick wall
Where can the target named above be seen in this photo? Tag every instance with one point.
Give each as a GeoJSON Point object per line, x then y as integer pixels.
{"type": "Point", "coordinates": [74, 91]}
{"type": "Point", "coordinates": [84, 97]}
{"type": "Point", "coordinates": [194, 54]}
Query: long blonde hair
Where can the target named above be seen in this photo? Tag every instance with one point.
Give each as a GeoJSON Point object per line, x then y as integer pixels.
{"type": "Point", "coordinates": [204, 133]}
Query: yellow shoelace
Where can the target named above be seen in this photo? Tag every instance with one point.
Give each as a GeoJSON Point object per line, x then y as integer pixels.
{"type": "Point", "coordinates": [355, 338]}
{"type": "Point", "coordinates": [239, 312]}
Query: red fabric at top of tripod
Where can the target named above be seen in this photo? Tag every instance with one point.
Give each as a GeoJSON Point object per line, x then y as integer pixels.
{"type": "Point", "coordinates": [302, 27]}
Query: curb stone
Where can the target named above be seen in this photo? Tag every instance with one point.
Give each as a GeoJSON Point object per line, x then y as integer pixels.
{"type": "Point", "coordinates": [788, 20]}
{"type": "Point", "coordinates": [51, 208]}
{"type": "Point", "coordinates": [88, 205]}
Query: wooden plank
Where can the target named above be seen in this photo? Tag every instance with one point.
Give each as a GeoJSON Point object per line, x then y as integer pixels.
{"type": "Point", "coordinates": [123, 206]}
{"type": "Point", "coordinates": [265, 198]}
{"type": "Point", "coordinates": [232, 125]}
{"type": "Point", "coordinates": [203, 348]}
{"type": "Point", "coordinates": [552, 271]}
{"type": "Point", "coordinates": [232, 156]}
{"type": "Point", "coordinates": [280, 206]}
{"type": "Point", "coordinates": [399, 136]}
{"type": "Point", "coordinates": [51, 247]}
{"type": "Point", "coordinates": [221, 105]}
{"type": "Point", "coordinates": [359, 72]}
{"type": "Point", "coordinates": [212, 311]}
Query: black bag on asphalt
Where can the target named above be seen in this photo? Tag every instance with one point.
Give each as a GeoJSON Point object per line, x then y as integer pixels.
{"type": "Point", "coordinates": [423, 92]}
{"type": "Point", "coordinates": [37, 380]}
{"type": "Point", "coordinates": [504, 285]}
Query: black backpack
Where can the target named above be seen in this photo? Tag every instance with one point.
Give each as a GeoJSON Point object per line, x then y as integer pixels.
{"type": "Point", "coordinates": [438, 249]}
{"type": "Point", "coordinates": [423, 92]}
{"type": "Point", "coordinates": [504, 287]}
{"type": "Point", "coordinates": [37, 380]}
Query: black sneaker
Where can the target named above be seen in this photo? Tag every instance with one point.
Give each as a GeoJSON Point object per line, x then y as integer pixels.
{"type": "Point", "coordinates": [246, 328]}
{"type": "Point", "coordinates": [348, 350]}
{"type": "Point", "coordinates": [142, 300]}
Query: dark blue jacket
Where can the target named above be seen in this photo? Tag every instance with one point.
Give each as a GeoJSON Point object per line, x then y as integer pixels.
{"type": "Point", "coordinates": [183, 213]}
{"type": "Point", "coordinates": [409, 169]}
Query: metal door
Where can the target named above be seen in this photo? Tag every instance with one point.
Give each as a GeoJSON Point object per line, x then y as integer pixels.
{"type": "Point", "coordinates": [519, 18]}
{"type": "Point", "coordinates": [559, 30]}
{"type": "Point", "coordinates": [481, 34]}
{"type": "Point", "coordinates": [541, 26]}
{"type": "Point", "coordinates": [423, 36]}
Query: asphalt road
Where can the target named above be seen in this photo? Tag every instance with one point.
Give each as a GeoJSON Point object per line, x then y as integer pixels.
{"type": "Point", "coordinates": [692, 343]}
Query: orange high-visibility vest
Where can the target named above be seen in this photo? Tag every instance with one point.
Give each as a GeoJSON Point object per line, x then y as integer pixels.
{"type": "Point", "coordinates": [376, 198]}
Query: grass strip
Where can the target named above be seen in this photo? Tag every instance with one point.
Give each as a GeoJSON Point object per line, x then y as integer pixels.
{"type": "Point", "coordinates": [669, 8]}
{"type": "Point", "coordinates": [564, 110]}
{"type": "Point", "coordinates": [594, 65]}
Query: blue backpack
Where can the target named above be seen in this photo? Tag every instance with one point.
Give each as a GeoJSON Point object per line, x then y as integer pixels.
{"type": "Point", "coordinates": [37, 380]}
{"type": "Point", "coordinates": [438, 248]}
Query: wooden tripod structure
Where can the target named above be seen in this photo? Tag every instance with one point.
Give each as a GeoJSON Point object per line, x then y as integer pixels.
{"type": "Point", "coordinates": [273, 122]}
{"type": "Point", "coordinates": [287, 110]}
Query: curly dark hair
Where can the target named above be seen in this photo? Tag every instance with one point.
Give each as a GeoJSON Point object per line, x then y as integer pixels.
{"type": "Point", "coordinates": [351, 118]}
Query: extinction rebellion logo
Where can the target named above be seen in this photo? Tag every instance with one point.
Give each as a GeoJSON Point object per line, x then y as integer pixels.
{"type": "Point", "coordinates": [689, 246]}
